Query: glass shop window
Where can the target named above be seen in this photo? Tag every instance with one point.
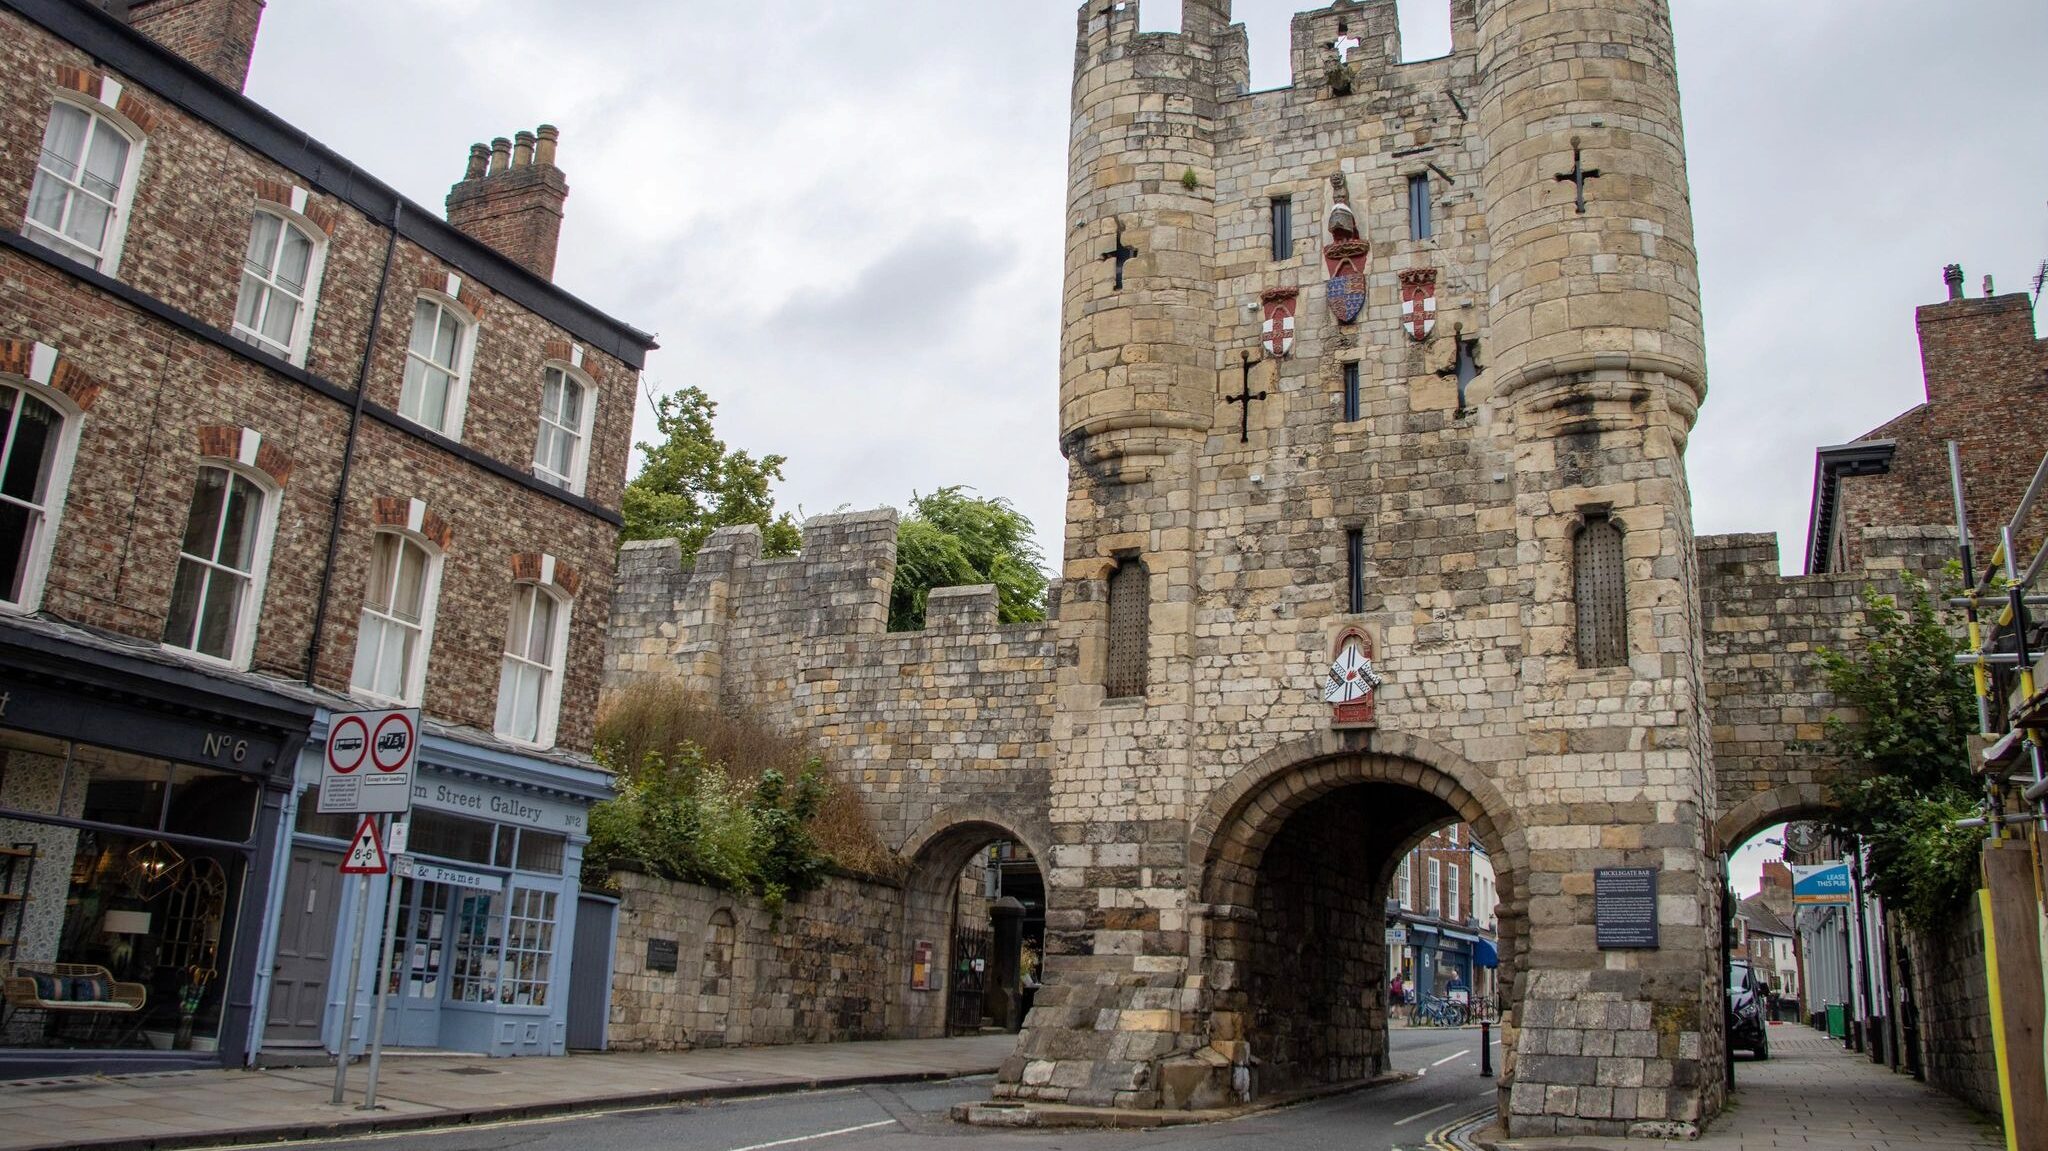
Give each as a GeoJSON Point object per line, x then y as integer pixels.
{"type": "Point", "coordinates": [121, 880]}
{"type": "Point", "coordinates": [474, 951]}
{"type": "Point", "coordinates": [529, 948]}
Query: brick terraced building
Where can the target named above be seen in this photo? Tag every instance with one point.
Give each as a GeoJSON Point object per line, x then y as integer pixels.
{"type": "Point", "coordinates": [276, 442]}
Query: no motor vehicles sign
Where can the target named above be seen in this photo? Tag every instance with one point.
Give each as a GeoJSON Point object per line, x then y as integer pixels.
{"type": "Point", "coordinates": [370, 758]}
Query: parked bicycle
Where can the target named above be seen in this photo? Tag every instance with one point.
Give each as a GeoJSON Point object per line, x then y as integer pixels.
{"type": "Point", "coordinates": [1483, 1010]}
{"type": "Point", "coordinates": [1437, 1011]}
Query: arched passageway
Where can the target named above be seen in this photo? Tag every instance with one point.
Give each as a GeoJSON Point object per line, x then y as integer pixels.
{"type": "Point", "coordinates": [1298, 865]}
{"type": "Point", "coordinates": [974, 922]}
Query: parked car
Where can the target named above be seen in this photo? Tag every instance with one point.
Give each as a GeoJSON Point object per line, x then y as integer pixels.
{"type": "Point", "coordinates": [1748, 1027]}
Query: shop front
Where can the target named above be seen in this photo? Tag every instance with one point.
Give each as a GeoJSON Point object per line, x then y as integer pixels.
{"type": "Point", "coordinates": [485, 888]}
{"type": "Point", "coordinates": [140, 806]}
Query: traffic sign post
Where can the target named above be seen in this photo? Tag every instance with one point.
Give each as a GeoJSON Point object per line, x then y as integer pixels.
{"type": "Point", "coordinates": [370, 761]}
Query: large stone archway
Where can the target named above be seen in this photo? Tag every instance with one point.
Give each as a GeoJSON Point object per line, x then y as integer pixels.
{"type": "Point", "coordinates": [1294, 857]}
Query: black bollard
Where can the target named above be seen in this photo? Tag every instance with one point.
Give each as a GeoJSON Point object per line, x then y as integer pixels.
{"type": "Point", "coordinates": [1485, 1049]}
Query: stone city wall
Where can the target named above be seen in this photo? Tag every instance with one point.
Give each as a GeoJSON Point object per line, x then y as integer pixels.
{"type": "Point", "coordinates": [956, 716]}
{"type": "Point", "coordinates": [1766, 692]}
{"type": "Point", "coordinates": [1950, 989]}
{"type": "Point", "coordinates": [818, 972]}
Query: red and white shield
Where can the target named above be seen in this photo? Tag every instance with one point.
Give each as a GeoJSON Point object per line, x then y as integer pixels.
{"type": "Point", "coordinates": [1418, 303]}
{"type": "Point", "coordinates": [1276, 335]}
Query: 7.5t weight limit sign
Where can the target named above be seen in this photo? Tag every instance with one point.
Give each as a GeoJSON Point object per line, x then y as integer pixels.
{"type": "Point", "coordinates": [370, 759]}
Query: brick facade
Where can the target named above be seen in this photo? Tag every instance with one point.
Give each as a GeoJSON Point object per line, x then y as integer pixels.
{"type": "Point", "coordinates": [147, 359]}
{"type": "Point", "coordinates": [1986, 380]}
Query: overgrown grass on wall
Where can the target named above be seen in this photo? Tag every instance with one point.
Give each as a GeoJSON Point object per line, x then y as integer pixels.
{"type": "Point", "coordinates": [721, 799]}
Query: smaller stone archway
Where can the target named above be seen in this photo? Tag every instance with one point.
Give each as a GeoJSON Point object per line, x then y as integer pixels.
{"type": "Point", "coordinates": [1294, 856]}
{"type": "Point", "coordinates": [938, 851]}
{"type": "Point", "coordinates": [1781, 804]}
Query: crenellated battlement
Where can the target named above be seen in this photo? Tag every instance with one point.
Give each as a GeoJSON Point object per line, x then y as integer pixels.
{"type": "Point", "coordinates": [960, 711]}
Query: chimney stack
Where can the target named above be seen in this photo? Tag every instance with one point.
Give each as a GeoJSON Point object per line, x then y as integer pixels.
{"type": "Point", "coordinates": [511, 196]}
{"type": "Point", "coordinates": [217, 35]}
{"type": "Point", "coordinates": [1953, 277]}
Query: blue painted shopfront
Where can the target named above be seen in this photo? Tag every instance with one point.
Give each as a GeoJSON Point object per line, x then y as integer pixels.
{"type": "Point", "coordinates": [486, 908]}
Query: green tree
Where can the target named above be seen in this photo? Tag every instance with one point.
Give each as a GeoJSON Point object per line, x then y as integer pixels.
{"type": "Point", "coordinates": [692, 484]}
{"type": "Point", "coordinates": [951, 539]}
{"type": "Point", "coordinates": [1911, 740]}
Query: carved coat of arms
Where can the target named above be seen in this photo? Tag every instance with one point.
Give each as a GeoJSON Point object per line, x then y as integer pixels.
{"type": "Point", "coordinates": [1344, 257]}
{"type": "Point", "coordinates": [1418, 303]}
{"type": "Point", "coordinates": [1276, 334]}
{"type": "Point", "coordinates": [1351, 688]}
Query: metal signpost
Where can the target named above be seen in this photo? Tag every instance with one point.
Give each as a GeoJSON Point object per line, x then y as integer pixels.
{"type": "Point", "coordinates": [370, 761]}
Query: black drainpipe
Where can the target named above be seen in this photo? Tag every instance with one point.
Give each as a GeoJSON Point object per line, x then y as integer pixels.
{"type": "Point", "coordinates": [348, 450]}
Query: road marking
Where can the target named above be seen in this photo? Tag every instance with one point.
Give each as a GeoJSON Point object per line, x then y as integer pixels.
{"type": "Point", "coordinates": [1397, 1122]}
{"type": "Point", "coordinates": [830, 1134]}
{"type": "Point", "coordinates": [1448, 1058]}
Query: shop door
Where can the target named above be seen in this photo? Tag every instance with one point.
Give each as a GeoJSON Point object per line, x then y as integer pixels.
{"type": "Point", "coordinates": [418, 958]}
{"type": "Point", "coordinates": [590, 972]}
{"type": "Point", "coordinates": [305, 946]}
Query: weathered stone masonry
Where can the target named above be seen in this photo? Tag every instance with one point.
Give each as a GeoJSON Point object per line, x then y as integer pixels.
{"type": "Point", "coordinates": [946, 730]}
{"type": "Point", "coordinates": [1217, 847]}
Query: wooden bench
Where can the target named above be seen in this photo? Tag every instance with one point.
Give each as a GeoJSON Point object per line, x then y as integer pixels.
{"type": "Point", "coordinates": [56, 990]}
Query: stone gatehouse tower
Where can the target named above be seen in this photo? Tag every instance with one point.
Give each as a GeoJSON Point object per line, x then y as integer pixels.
{"type": "Point", "coordinates": [1348, 369]}
{"type": "Point", "coordinates": [1494, 502]}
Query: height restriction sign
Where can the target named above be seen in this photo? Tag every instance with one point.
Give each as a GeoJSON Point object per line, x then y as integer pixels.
{"type": "Point", "coordinates": [370, 759]}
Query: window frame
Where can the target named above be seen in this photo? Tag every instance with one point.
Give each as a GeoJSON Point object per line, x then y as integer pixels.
{"type": "Point", "coordinates": [243, 648]}
{"type": "Point", "coordinates": [1351, 375]}
{"type": "Point", "coordinates": [430, 599]}
{"type": "Point", "coordinates": [1141, 579]}
{"type": "Point", "coordinates": [579, 467]}
{"type": "Point", "coordinates": [550, 705]}
{"type": "Point", "coordinates": [1421, 214]}
{"type": "Point", "coordinates": [1586, 649]}
{"type": "Point", "coordinates": [465, 354]}
{"type": "Point", "coordinates": [124, 198]}
{"type": "Point", "coordinates": [1404, 880]}
{"type": "Point", "coordinates": [1280, 225]}
{"type": "Point", "coordinates": [1354, 570]}
{"type": "Point", "coordinates": [35, 577]}
{"type": "Point", "coordinates": [316, 268]}
{"type": "Point", "coordinates": [1433, 901]}
{"type": "Point", "coordinates": [1451, 891]}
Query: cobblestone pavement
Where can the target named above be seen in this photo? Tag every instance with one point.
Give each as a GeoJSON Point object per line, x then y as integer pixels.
{"type": "Point", "coordinates": [1814, 1096]}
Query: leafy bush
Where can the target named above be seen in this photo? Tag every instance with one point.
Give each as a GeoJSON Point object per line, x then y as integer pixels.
{"type": "Point", "coordinates": [708, 797]}
{"type": "Point", "coordinates": [1911, 736]}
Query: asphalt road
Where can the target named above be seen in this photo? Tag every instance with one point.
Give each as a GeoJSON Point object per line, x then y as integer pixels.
{"type": "Point", "coordinates": [1397, 1117]}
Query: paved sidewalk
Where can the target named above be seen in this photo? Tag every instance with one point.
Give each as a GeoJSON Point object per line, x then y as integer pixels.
{"type": "Point", "coordinates": [206, 1108]}
{"type": "Point", "coordinates": [1813, 1095]}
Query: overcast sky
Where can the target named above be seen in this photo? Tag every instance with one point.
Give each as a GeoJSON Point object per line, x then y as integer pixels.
{"type": "Point", "coordinates": [843, 220]}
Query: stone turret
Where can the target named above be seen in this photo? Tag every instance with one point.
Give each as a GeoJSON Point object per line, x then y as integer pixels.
{"type": "Point", "coordinates": [1597, 360]}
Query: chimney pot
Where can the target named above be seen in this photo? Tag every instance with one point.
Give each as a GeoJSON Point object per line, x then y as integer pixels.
{"type": "Point", "coordinates": [511, 199]}
{"type": "Point", "coordinates": [1988, 292]}
{"type": "Point", "coordinates": [1952, 275]}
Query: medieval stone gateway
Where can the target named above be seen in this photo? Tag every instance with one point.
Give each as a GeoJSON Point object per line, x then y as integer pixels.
{"type": "Point", "coordinates": [1373, 370]}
